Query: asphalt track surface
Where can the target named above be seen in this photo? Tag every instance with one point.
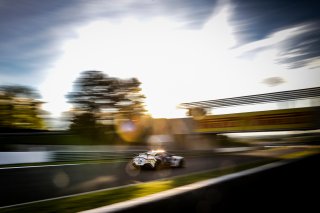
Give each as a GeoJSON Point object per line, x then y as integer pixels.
{"type": "Point", "coordinates": [20, 185]}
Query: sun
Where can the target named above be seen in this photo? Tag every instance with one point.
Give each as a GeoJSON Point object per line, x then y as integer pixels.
{"type": "Point", "coordinates": [175, 63]}
{"type": "Point", "coordinates": [167, 57]}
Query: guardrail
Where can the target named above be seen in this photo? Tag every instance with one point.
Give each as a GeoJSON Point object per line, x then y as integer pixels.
{"type": "Point", "coordinates": [104, 155]}
{"type": "Point", "coordinates": [7, 158]}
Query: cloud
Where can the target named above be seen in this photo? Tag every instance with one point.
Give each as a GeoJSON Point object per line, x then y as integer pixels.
{"type": "Point", "coordinates": [28, 39]}
{"type": "Point", "coordinates": [32, 31]}
{"type": "Point", "coordinates": [259, 22]}
{"type": "Point", "coordinates": [273, 81]}
{"type": "Point", "coordinates": [254, 20]}
{"type": "Point", "coordinates": [303, 48]}
{"type": "Point", "coordinates": [297, 46]}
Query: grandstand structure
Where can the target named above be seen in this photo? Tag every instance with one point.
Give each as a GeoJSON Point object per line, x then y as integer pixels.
{"type": "Point", "coordinates": [290, 95]}
{"type": "Point", "coordinates": [303, 118]}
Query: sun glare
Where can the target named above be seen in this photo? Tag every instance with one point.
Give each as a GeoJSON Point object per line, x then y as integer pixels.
{"type": "Point", "coordinates": [169, 59]}
{"type": "Point", "coordinates": [174, 63]}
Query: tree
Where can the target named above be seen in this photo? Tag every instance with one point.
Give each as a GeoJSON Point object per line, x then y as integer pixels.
{"type": "Point", "coordinates": [19, 108]}
{"type": "Point", "coordinates": [131, 101]}
{"type": "Point", "coordinates": [101, 98]}
{"type": "Point", "coordinates": [94, 91]}
{"type": "Point", "coordinates": [197, 112]}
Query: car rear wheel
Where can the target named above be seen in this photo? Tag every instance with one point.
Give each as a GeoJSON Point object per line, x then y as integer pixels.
{"type": "Point", "coordinates": [181, 164]}
{"type": "Point", "coordinates": [157, 165]}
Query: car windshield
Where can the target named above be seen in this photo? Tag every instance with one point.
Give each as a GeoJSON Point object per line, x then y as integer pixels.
{"type": "Point", "coordinates": [155, 152]}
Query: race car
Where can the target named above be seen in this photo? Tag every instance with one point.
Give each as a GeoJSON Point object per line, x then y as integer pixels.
{"type": "Point", "coordinates": [156, 159]}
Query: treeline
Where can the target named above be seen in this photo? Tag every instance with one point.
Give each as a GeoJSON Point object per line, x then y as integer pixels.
{"type": "Point", "coordinates": [104, 109]}
{"type": "Point", "coordinates": [20, 109]}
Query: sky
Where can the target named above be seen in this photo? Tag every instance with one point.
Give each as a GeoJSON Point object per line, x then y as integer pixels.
{"type": "Point", "coordinates": [181, 50]}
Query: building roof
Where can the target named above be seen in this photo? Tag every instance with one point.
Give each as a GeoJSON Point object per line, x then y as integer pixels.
{"type": "Point", "coordinates": [290, 95]}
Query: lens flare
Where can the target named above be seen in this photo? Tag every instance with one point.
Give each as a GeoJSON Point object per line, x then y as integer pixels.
{"type": "Point", "coordinates": [130, 130]}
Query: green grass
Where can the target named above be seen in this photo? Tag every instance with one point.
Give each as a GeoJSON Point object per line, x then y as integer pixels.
{"type": "Point", "coordinates": [300, 154]}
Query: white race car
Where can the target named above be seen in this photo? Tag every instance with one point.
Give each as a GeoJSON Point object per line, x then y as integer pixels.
{"type": "Point", "coordinates": [157, 159]}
